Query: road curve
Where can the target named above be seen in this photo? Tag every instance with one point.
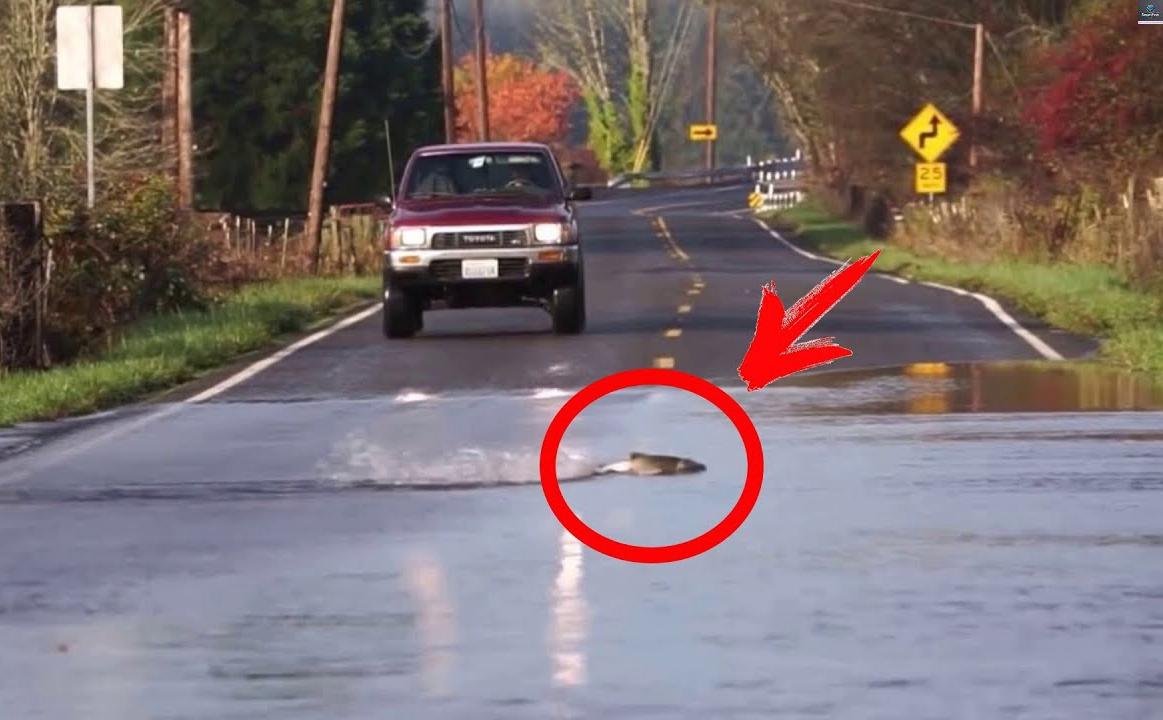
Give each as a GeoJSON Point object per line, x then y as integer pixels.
{"type": "Point", "coordinates": [674, 280]}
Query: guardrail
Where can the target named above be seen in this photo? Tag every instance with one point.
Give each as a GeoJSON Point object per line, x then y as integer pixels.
{"type": "Point", "coordinates": [672, 179]}
{"type": "Point", "coordinates": [764, 171]}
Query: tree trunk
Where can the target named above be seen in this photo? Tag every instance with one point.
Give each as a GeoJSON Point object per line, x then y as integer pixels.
{"type": "Point", "coordinates": [641, 80]}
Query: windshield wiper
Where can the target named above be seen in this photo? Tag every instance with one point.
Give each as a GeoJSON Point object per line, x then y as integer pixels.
{"type": "Point", "coordinates": [431, 195]}
{"type": "Point", "coordinates": [511, 191]}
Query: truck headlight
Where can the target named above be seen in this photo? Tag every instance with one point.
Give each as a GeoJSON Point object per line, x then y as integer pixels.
{"type": "Point", "coordinates": [548, 232]}
{"type": "Point", "coordinates": [411, 237]}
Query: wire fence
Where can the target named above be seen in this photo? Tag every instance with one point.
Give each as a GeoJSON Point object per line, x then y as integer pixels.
{"type": "Point", "coordinates": [351, 242]}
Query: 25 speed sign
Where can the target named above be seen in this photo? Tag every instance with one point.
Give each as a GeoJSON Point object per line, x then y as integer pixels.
{"type": "Point", "coordinates": [930, 178]}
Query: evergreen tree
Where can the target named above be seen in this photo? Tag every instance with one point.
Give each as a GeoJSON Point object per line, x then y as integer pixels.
{"type": "Point", "coordinates": [257, 82]}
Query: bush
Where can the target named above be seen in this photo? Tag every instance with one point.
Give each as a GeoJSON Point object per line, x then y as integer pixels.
{"type": "Point", "coordinates": [135, 255]}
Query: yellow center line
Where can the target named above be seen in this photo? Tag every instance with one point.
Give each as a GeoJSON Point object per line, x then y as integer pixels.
{"type": "Point", "coordinates": [665, 363]}
{"type": "Point", "coordinates": [674, 332]}
{"type": "Point", "coordinates": [670, 238]}
{"type": "Point", "coordinates": [684, 309]}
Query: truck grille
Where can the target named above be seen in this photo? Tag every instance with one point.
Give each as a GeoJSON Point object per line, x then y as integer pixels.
{"type": "Point", "coordinates": [506, 268]}
{"type": "Point", "coordinates": [479, 239]}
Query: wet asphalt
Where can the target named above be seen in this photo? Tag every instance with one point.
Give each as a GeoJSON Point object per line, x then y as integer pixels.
{"type": "Point", "coordinates": [944, 531]}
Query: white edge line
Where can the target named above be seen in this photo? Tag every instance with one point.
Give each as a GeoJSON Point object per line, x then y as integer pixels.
{"type": "Point", "coordinates": [798, 250]}
{"type": "Point", "coordinates": [990, 304]}
{"type": "Point", "coordinates": [247, 373]}
{"type": "Point", "coordinates": [257, 367]}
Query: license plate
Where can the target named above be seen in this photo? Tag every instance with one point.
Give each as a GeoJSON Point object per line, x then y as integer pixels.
{"type": "Point", "coordinates": [478, 269]}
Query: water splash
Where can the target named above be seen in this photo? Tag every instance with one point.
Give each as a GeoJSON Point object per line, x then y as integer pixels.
{"type": "Point", "coordinates": [361, 461]}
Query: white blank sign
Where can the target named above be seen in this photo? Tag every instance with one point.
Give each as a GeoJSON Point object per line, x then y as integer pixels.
{"type": "Point", "coordinates": [74, 54]}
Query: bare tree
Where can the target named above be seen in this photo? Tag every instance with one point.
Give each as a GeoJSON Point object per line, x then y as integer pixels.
{"type": "Point", "coordinates": [28, 98]}
{"type": "Point", "coordinates": [586, 42]}
{"type": "Point", "coordinates": [42, 136]}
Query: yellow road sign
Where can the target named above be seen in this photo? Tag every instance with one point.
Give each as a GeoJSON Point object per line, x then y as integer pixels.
{"type": "Point", "coordinates": [755, 199]}
{"type": "Point", "coordinates": [930, 178]}
{"type": "Point", "coordinates": [704, 132]}
{"type": "Point", "coordinates": [930, 133]}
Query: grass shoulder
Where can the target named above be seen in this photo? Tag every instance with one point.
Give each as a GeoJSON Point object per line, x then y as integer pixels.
{"type": "Point", "coordinates": [1086, 299]}
{"type": "Point", "coordinates": [164, 351]}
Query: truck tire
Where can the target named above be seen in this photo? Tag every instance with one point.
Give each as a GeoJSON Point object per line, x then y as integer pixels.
{"type": "Point", "coordinates": [402, 316]}
{"type": "Point", "coordinates": [569, 310]}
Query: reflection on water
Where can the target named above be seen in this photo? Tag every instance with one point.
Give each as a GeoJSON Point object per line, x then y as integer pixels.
{"type": "Point", "coordinates": [425, 580]}
{"type": "Point", "coordinates": [933, 388]}
{"type": "Point", "coordinates": [568, 631]}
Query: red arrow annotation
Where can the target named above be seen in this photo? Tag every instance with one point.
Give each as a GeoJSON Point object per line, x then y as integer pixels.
{"type": "Point", "coordinates": [774, 352]}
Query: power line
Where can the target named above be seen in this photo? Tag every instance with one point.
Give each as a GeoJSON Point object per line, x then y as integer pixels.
{"type": "Point", "coordinates": [670, 63]}
{"type": "Point", "coordinates": [668, 56]}
{"type": "Point", "coordinates": [1001, 61]}
{"type": "Point", "coordinates": [678, 41]}
{"type": "Point", "coordinates": [456, 22]}
{"type": "Point", "coordinates": [902, 13]}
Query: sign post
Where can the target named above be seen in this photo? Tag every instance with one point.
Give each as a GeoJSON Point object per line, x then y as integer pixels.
{"type": "Point", "coordinates": [930, 134]}
{"type": "Point", "coordinates": [90, 56]}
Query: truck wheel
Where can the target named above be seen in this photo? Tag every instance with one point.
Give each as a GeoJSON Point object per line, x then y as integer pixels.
{"type": "Point", "coordinates": [402, 316]}
{"type": "Point", "coordinates": [569, 310]}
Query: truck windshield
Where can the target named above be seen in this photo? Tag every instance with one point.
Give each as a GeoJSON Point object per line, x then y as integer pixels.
{"type": "Point", "coordinates": [459, 174]}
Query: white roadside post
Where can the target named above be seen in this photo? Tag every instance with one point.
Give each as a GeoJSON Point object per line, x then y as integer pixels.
{"type": "Point", "coordinates": [90, 57]}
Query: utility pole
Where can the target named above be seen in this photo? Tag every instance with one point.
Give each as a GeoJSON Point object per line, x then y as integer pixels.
{"type": "Point", "coordinates": [446, 70]}
{"type": "Point", "coordinates": [712, 76]}
{"type": "Point", "coordinates": [323, 135]}
{"type": "Point", "coordinates": [170, 93]}
{"type": "Point", "coordinates": [482, 71]}
{"type": "Point", "coordinates": [978, 61]}
{"type": "Point", "coordinates": [90, 93]}
{"type": "Point", "coordinates": [185, 112]}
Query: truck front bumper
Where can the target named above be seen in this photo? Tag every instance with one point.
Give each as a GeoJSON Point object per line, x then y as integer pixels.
{"type": "Point", "coordinates": [525, 276]}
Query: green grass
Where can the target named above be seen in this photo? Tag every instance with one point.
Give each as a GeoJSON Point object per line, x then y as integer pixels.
{"type": "Point", "coordinates": [161, 352]}
{"type": "Point", "coordinates": [1086, 299]}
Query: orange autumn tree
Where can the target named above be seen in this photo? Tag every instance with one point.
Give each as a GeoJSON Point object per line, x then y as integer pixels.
{"type": "Point", "coordinates": [527, 103]}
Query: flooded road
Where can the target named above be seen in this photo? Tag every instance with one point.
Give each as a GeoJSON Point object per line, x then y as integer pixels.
{"type": "Point", "coordinates": [939, 542]}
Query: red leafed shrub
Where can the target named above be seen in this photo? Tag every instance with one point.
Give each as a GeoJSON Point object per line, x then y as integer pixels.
{"type": "Point", "coordinates": [1099, 88]}
{"type": "Point", "coordinates": [527, 103]}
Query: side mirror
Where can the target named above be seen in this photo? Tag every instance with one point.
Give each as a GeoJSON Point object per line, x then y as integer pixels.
{"type": "Point", "coordinates": [384, 202]}
{"type": "Point", "coordinates": [581, 193]}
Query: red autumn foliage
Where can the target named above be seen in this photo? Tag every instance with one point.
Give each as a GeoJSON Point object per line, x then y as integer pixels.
{"type": "Point", "coordinates": [527, 103]}
{"type": "Point", "coordinates": [1099, 87]}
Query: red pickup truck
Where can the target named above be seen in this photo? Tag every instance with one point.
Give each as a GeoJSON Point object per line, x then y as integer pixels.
{"type": "Point", "coordinates": [483, 225]}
